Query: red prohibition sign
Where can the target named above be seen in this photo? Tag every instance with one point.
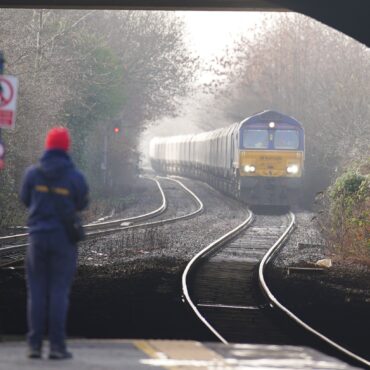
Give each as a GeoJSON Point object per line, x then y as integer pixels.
{"type": "Point", "coordinates": [3, 99]}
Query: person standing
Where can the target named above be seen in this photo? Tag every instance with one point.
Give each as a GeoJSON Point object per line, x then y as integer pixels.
{"type": "Point", "coordinates": [53, 191]}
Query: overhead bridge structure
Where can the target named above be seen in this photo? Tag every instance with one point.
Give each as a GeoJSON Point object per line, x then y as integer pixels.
{"type": "Point", "coordinates": [349, 17]}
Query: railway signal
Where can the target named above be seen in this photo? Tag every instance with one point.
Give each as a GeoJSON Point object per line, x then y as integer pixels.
{"type": "Point", "coordinates": [116, 130]}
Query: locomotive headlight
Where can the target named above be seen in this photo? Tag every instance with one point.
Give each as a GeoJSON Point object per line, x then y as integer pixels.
{"type": "Point", "coordinates": [249, 169]}
{"type": "Point", "coordinates": [292, 169]}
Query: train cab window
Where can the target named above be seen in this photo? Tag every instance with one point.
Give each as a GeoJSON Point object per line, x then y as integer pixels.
{"type": "Point", "coordinates": [286, 139]}
{"type": "Point", "coordinates": [255, 139]}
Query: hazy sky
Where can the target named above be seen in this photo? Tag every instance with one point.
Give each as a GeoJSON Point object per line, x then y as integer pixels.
{"type": "Point", "coordinates": [210, 32]}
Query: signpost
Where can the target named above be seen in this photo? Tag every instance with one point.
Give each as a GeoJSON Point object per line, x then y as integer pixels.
{"type": "Point", "coordinates": [8, 101]}
{"type": "Point", "coordinates": [2, 152]}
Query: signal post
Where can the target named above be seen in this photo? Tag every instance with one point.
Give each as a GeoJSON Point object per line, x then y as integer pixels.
{"type": "Point", "coordinates": [2, 148]}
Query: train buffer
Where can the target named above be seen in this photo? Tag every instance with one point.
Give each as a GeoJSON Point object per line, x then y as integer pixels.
{"type": "Point", "coordinates": [117, 354]}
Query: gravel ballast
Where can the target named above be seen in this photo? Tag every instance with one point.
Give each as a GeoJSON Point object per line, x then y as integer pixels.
{"type": "Point", "coordinates": [334, 300]}
{"type": "Point", "coordinates": [128, 284]}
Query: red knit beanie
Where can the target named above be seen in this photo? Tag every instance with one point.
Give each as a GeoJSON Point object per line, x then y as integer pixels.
{"type": "Point", "coordinates": [58, 138]}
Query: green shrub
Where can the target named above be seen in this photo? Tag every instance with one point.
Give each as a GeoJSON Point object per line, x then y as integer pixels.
{"type": "Point", "coordinates": [346, 185]}
{"type": "Point", "coordinates": [349, 214]}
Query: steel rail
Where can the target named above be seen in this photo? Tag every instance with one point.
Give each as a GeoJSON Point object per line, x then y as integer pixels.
{"type": "Point", "coordinates": [103, 224]}
{"type": "Point", "coordinates": [199, 210]}
{"type": "Point", "coordinates": [11, 252]}
{"type": "Point", "coordinates": [144, 216]}
{"type": "Point", "coordinates": [274, 302]}
{"type": "Point", "coordinates": [16, 248]}
{"type": "Point", "coordinates": [217, 243]}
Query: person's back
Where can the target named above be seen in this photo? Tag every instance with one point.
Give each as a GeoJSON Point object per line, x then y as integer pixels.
{"type": "Point", "coordinates": [53, 191]}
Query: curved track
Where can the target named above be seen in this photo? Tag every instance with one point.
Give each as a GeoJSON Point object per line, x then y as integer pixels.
{"type": "Point", "coordinates": [107, 224]}
{"type": "Point", "coordinates": [275, 302]}
{"type": "Point", "coordinates": [220, 282]}
{"type": "Point", "coordinates": [159, 222]}
{"type": "Point", "coordinates": [223, 279]}
{"type": "Point", "coordinates": [10, 254]}
{"type": "Point", "coordinates": [145, 216]}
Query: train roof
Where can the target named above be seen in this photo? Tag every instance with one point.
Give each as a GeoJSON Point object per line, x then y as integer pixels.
{"type": "Point", "coordinates": [170, 139]}
{"type": "Point", "coordinates": [270, 116]}
{"type": "Point", "coordinates": [265, 116]}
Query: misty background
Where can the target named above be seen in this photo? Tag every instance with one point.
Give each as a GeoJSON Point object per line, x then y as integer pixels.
{"type": "Point", "coordinates": [155, 73]}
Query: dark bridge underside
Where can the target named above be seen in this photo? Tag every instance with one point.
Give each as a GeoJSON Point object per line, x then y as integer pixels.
{"type": "Point", "coordinates": [349, 16]}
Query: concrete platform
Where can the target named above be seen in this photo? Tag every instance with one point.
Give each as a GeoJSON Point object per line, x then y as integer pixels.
{"type": "Point", "coordinates": [167, 354]}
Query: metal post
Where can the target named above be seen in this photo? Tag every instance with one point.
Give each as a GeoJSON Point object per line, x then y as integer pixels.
{"type": "Point", "coordinates": [2, 61]}
{"type": "Point", "coordinates": [104, 163]}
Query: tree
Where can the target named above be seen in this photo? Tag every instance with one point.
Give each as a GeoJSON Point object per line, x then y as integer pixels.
{"type": "Point", "coordinates": [89, 70]}
{"type": "Point", "coordinates": [305, 69]}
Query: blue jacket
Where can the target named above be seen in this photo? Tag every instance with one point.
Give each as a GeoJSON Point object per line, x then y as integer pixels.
{"type": "Point", "coordinates": [52, 190]}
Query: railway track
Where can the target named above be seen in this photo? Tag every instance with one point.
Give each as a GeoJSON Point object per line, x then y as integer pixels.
{"type": "Point", "coordinates": [9, 254]}
{"type": "Point", "coordinates": [106, 224]}
{"type": "Point", "coordinates": [225, 286]}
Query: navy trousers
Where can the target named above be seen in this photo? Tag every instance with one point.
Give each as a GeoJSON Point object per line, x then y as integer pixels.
{"type": "Point", "coordinates": [51, 265]}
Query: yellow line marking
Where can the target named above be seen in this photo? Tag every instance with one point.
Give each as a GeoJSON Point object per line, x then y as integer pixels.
{"type": "Point", "coordinates": [174, 355]}
{"type": "Point", "coordinates": [145, 347]}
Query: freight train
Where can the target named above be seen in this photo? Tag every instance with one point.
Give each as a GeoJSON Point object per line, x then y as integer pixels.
{"type": "Point", "coordinates": [259, 160]}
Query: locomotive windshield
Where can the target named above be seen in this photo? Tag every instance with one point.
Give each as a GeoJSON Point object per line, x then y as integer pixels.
{"type": "Point", "coordinates": [270, 139]}
{"type": "Point", "coordinates": [286, 139]}
{"type": "Point", "coordinates": [255, 139]}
